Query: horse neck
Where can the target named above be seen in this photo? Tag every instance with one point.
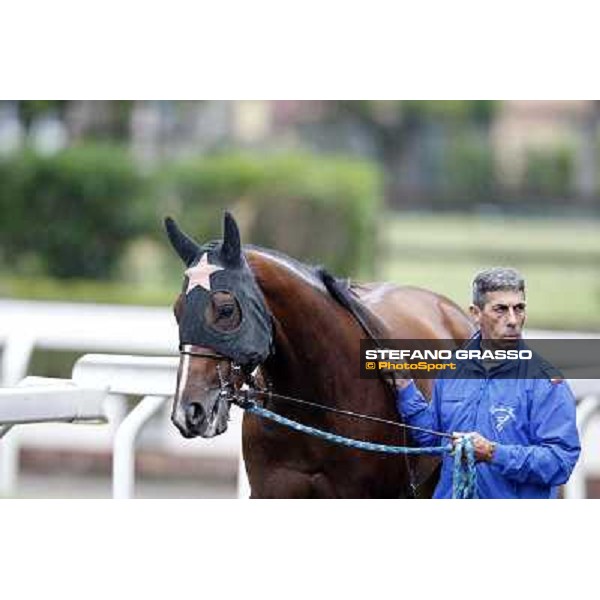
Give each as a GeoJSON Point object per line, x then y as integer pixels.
{"type": "Point", "coordinates": [313, 336]}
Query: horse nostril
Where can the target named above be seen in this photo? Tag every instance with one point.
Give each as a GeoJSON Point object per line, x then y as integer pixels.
{"type": "Point", "coordinates": [195, 414]}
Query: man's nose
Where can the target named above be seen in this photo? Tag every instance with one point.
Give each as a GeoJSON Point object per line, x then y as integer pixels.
{"type": "Point", "coordinates": [512, 317]}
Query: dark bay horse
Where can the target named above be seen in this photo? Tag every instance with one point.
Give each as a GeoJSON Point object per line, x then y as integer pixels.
{"type": "Point", "coordinates": [249, 308]}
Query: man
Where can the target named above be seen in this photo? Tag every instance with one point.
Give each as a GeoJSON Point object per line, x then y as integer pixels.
{"type": "Point", "coordinates": [523, 428]}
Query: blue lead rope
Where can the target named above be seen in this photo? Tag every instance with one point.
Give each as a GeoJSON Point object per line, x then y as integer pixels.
{"type": "Point", "coordinates": [464, 477]}
{"type": "Point", "coordinates": [464, 474]}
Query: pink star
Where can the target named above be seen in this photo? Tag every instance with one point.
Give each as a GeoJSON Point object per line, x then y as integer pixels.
{"type": "Point", "coordinates": [200, 274]}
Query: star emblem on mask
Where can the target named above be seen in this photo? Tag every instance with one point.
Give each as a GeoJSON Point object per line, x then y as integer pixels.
{"type": "Point", "coordinates": [199, 275]}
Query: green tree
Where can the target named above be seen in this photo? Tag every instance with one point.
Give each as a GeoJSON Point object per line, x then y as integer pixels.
{"type": "Point", "coordinates": [30, 110]}
{"type": "Point", "coordinates": [74, 211]}
{"type": "Point", "coordinates": [394, 125]}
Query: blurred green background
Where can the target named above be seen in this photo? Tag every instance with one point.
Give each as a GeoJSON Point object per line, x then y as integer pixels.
{"type": "Point", "coordinates": [416, 192]}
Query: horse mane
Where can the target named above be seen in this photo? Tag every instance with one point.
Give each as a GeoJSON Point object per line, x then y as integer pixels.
{"type": "Point", "coordinates": [341, 290]}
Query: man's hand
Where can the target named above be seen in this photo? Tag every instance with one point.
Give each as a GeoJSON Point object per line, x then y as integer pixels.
{"type": "Point", "coordinates": [484, 449]}
{"type": "Point", "coordinates": [398, 379]}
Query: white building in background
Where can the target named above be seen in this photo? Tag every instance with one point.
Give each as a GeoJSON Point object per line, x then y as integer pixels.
{"type": "Point", "coordinates": [524, 125]}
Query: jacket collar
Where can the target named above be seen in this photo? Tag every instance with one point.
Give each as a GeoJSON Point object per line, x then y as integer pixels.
{"type": "Point", "coordinates": [512, 367]}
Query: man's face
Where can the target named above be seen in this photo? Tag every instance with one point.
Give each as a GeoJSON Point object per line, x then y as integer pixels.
{"type": "Point", "coordinates": [502, 316]}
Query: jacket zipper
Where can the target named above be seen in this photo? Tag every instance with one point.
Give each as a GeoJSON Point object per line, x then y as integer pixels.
{"type": "Point", "coordinates": [482, 392]}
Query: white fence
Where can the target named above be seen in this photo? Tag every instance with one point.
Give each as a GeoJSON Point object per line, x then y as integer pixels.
{"type": "Point", "coordinates": [26, 325]}
{"type": "Point", "coordinates": [57, 326]}
{"type": "Point", "coordinates": [95, 379]}
{"type": "Point", "coordinates": [44, 399]}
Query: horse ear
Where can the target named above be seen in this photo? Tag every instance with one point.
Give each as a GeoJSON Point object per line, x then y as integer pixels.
{"type": "Point", "coordinates": [231, 251]}
{"type": "Point", "coordinates": [184, 246]}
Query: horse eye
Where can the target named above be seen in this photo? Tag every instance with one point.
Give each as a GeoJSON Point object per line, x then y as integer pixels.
{"type": "Point", "coordinates": [225, 311]}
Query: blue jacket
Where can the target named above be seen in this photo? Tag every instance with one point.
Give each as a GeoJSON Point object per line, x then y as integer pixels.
{"type": "Point", "coordinates": [531, 420]}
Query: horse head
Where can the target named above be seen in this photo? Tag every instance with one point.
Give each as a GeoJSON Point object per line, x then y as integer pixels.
{"type": "Point", "coordinates": [225, 329]}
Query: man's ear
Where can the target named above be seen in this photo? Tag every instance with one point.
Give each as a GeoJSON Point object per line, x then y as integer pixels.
{"type": "Point", "coordinates": [475, 313]}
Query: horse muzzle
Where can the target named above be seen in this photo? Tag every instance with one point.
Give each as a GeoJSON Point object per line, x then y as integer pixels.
{"type": "Point", "coordinates": [201, 417]}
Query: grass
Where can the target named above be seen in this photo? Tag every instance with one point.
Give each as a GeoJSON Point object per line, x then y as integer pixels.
{"type": "Point", "coordinates": [104, 292]}
{"type": "Point", "coordinates": [537, 237]}
{"type": "Point", "coordinates": [559, 259]}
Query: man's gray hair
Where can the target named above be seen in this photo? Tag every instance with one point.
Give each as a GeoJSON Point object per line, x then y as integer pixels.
{"type": "Point", "coordinates": [496, 279]}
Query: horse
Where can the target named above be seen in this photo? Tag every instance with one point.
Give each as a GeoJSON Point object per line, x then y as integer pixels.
{"type": "Point", "coordinates": [249, 310]}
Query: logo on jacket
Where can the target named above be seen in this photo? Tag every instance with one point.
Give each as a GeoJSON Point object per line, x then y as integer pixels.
{"type": "Point", "coordinates": [502, 415]}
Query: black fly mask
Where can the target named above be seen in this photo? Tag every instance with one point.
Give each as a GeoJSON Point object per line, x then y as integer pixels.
{"type": "Point", "coordinates": [221, 268]}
